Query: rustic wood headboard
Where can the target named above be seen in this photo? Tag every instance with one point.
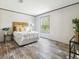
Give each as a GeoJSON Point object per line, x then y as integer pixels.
{"type": "Point", "coordinates": [18, 24]}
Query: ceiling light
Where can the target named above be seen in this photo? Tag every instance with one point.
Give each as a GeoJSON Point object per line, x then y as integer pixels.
{"type": "Point", "coordinates": [21, 1]}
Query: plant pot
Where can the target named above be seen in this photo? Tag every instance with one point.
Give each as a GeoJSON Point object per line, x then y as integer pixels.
{"type": "Point", "coordinates": [77, 36]}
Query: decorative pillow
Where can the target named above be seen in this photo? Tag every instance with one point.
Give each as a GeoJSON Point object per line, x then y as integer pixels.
{"type": "Point", "coordinates": [17, 29]}
{"type": "Point", "coordinates": [22, 29]}
{"type": "Point", "coordinates": [27, 29]}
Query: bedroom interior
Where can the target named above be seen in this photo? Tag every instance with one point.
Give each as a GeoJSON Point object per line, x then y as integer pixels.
{"type": "Point", "coordinates": [39, 29]}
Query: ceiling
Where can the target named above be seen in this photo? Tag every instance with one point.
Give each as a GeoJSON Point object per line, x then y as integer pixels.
{"type": "Point", "coordinates": [34, 7]}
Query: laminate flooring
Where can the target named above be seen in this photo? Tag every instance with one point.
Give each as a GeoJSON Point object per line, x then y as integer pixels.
{"type": "Point", "coordinates": [42, 49]}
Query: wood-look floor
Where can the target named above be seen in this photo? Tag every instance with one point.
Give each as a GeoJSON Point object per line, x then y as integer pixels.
{"type": "Point", "coordinates": [43, 49]}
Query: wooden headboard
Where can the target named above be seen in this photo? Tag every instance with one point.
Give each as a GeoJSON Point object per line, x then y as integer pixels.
{"type": "Point", "coordinates": [18, 24]}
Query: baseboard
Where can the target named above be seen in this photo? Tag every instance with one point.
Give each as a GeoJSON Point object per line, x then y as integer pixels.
{"type": "Point", "coordinates": [57, 42]}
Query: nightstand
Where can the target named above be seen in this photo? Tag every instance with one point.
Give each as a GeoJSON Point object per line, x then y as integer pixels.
{"type": "Point", "coordinates": [7, 35]}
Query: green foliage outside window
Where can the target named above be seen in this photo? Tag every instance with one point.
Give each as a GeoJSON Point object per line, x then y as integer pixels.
{"type": "Point", "coordinates": [45, 25]}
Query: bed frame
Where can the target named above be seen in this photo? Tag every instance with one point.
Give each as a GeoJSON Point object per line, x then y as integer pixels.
{"type": "Point", "coordinates": [24, 24]}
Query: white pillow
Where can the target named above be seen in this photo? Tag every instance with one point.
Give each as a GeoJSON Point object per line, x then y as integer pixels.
{"type": "Point", "coordinates": [27, 29]}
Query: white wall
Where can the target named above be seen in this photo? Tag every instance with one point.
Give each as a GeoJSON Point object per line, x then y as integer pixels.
{"type": "Point", "coordinates": [60, 23]}
{"type": "Point", "coordinates": [7, 17]}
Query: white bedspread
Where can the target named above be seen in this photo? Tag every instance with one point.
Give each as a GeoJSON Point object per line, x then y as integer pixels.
{"type": "Point", "coordinates": [23, 38]}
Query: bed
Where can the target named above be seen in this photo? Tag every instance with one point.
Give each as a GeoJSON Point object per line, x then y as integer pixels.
{"type": "Point", "coordinates": [21, 36]}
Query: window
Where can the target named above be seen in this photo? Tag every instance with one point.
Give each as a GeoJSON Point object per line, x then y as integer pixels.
{"type": "Point", "coordinates": [45, 24]}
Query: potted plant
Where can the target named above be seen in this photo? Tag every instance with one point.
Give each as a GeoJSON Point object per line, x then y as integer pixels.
{"type": "Point", "coordinates": [6, 29]}
{"type": "Point", "coordinates": [75, 21]}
